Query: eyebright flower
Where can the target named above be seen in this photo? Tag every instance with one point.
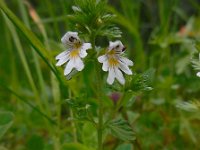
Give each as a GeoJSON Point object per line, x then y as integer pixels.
{"type": "Point", "coordinates": [198, 74]}
{"type": "Point", "coordinates": [72, 56]}
{"type": "Point", "coordinates": [114, 62]}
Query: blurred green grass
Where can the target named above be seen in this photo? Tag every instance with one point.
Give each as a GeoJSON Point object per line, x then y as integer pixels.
{"type": "Point", "coordinates": [158, 34]}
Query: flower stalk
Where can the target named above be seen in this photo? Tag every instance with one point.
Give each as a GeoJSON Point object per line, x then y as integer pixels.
{"type": "Point", "coordinates": [99, 98]}
{"type": "Point", "coordinates": [100, 113]}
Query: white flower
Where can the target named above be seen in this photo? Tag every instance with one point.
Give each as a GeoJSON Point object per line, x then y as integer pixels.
{"type": "Point", "coordinates": [72, 56]}
{"type": "Point", "coordinates": [198, 74]}
{"type": "Point", "coordinates": [114, 62]}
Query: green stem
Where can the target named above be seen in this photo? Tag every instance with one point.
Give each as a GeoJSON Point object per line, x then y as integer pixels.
{"type": "Point", "coordinates": [100, 115]}
{"type": "Point", "coordinates": [73, 125]}
{"type": "Point", "coordinates": [100, 126]}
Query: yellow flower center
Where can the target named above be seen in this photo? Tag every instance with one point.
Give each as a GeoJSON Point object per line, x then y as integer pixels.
{"type": "Point", "coordinates": [112, 61]}
{"type": "Point", "coordinates": [74, 53]}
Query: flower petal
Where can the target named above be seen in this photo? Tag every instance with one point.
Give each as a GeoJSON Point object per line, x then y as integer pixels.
{"type": "Point", "coordinates": [78, 64]}
{"type": "Point", "coordinates": [102, 58]}
{"type": "Point", "coordinates": [105, 66]}
{"type": "Point", "coordinates": [63, 54]}
{"type": "Point", "coordinates": [86, 46]}
{"type": "Point", "coordinates": [82, 54]}
{"type": "Point", "coordinates": [111, 76]}
{"type": "Point", "coordinates": [62, 60]}
{"type": "Point", "coordinates": [198, 74]}
{"type": "Point", "coordinates": [111, 45]}
{"type": "Point", "coordinates": [126, 61]}
{"type": "Point", "coordinates": [119, 76]}
{"type": "Point", "coordinates": [125, 68]}
{"type": "Point", "coordinates": [70, 65]}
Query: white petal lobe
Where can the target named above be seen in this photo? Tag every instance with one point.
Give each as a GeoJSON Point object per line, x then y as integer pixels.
{"type": "Point", "coordinates": [105, 66]}
{"type": "Point", "coordinates": [125, 69]}
{"type": "Point", "coordinates": [70, 65]}
{"type": "Point", "coordinates": [102, 58]}
{"type": "Point", "coordinates": [62, 61]}
{"type": "Point", "coordinates": [78, 64]}
{"type": "Point", "coordinates": [111, 76]}
{"type": "Point", "coordinates": [86, 46]}
{"type": "Point", "coordinates": [83, 53]}
{"type": "Point", "coordinates": [119, 76]}
{"type": "Point", "coordinates": [63, 54]}
{"type": "Point", "coordinates": [126, 61]}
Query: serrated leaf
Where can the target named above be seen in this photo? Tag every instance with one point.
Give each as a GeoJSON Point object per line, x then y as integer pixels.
{"type": "Point", "coordinates": [6, 122]}
{"type": "Point", "coordinates": [121, 129]}
{"type": "Point", "coordinates": [142, 82]}
{"type": "Point", "coordinates": [110, 31]}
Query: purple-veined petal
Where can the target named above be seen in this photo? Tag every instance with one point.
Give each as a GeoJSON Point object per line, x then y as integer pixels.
{"type": "Point", "coordinates": [65, 38]}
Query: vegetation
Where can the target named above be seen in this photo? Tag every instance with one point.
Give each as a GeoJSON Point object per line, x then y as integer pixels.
{"type": "Point", "coordinates": [158, 107]}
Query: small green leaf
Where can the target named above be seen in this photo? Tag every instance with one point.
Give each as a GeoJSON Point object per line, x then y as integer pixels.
{"type": "Point", "coordinates": [5, 122]}
{"type": "Point", "coordinates": [75, 146]}
{"type": "Point", "coordinates": [121, 129]}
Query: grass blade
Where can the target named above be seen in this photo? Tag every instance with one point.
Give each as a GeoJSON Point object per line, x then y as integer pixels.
{"type": "Point", "coordinates": [32, 39]}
